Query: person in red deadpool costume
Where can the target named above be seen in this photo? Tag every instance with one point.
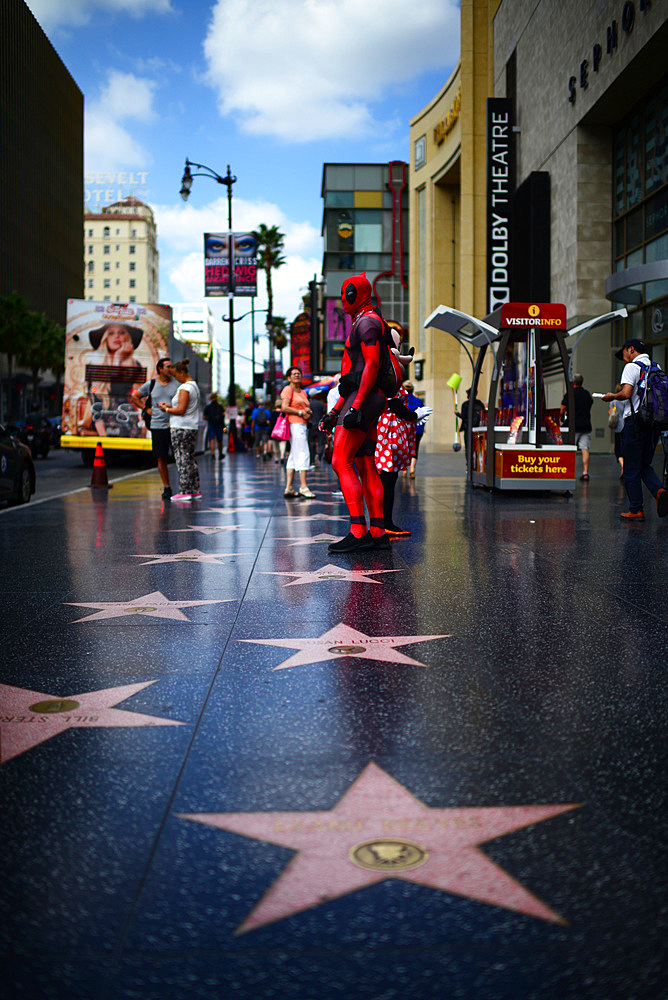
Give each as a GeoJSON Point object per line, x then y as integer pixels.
{"type": "Point", "coordinates": [356, 415]}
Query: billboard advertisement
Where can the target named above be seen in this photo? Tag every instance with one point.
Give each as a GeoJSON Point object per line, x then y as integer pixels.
{"type": "Point", "coordinates": [111, 349]}
{"type": "Point", "coordinates": [300, 344]}
{"type": "Point", "coordinates": [219, 248]}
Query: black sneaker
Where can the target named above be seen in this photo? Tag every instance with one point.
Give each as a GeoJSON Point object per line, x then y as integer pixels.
{"type": "Point", "coordinates": [382, 542]}
{"type": "Point", "coordinates": [352, 544]}
{"type": "Point", "coordinates": [167, 493]}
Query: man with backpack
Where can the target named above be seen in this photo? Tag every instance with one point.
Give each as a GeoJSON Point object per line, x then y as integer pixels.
{"type": "Point", "coordinates": [260, 418]}
{"type": "Point", "coordinates": [641, 382]}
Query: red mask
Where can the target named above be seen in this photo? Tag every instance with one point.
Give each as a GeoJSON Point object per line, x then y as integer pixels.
{"type": "Point", "coordinates": [356, 294]}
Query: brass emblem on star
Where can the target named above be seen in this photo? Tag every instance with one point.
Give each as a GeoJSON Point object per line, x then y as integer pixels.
{"type": "Point", "coordinates": [138, 611]}
{"type": "Point", "coordinates": [51, 707]}
{"type": "Point", "coordinates": [347, 650]}
{"type": "Point", "coordinates": [388, 855]}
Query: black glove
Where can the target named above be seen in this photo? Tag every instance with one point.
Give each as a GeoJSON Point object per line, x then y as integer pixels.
{"type": "Point", "coordinates": [352, 419]}
{"type": "Point", "coordinates": [328, 421]}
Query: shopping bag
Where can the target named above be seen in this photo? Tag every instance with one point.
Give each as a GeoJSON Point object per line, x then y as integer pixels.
{"type": "Point", "coordinates": [281, 431]}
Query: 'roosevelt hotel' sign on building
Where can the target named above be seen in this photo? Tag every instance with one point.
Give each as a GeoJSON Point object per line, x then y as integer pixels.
{"type": "Point", "coordinates": [499, 194]}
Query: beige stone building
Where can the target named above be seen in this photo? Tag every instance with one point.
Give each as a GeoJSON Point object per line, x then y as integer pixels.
{"type": "Point", "coordinates": [587, 83]}
{"type": "Point", "coordinates": [121, 253]}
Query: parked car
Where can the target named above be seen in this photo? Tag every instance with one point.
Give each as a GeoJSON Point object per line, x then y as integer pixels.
{"type": "Point", "coordinates": [35, 432]}
{"type": "Point", "coordinates": [17, 469]}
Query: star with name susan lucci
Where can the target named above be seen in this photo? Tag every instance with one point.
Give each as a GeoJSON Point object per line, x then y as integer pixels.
{"type": "Point", "coordinates": [28, 718]}
{"type": "Point", "coordinates": [377, 831]}
{"type": "Point", "coordinates": [343, 641]}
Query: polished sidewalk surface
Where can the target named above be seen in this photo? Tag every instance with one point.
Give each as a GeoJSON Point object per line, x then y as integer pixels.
{"type": "Point", "coordinates": [233, 765]}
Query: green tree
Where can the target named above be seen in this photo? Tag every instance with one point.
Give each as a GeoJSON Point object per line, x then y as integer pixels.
{"type": "Point", "coordinates": [43, 348]}
{"type": "Point", "coordinates": [14, 336]}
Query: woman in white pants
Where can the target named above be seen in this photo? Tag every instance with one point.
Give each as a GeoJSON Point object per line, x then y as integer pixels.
{"type": "Point", "coordinates": [294, 403]}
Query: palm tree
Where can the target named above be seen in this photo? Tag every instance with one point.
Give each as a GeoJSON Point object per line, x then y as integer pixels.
{"type": "Point", "coordinates": [270, 246]}
{"type": "Point", "coordinates": [14, 335]}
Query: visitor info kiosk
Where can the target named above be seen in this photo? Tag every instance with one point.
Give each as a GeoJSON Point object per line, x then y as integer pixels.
{"type": "Point", "coordinates": [512, 440]}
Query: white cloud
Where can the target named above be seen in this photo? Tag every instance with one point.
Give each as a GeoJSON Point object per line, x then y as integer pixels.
{"type": "Point", "coordinates": [108, 144]}
{"type": "Point", "coordinates": [53, 14]}
{"type": "Point", "coordinates": [308, 69]}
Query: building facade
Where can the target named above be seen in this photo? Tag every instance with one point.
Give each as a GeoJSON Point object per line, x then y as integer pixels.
{"type": "Point", "coordinates": [365, 228]}
{"type": "Point", "coordinates": [193, 325]}
{"type": "Point", "coordinates": [121, 262]}
{"type": "Point", "coordinates": [447, 217]}
{"type": "Point", "coordinates": [41, 163]}
{"type": "Point", "coordinates": [588, 176]}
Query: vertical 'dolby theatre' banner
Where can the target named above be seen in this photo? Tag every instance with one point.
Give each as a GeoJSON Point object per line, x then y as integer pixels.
{"type": "Point", "coordinates": [500, 175]}
{"type": "Point", "coordinates": [219, 249]}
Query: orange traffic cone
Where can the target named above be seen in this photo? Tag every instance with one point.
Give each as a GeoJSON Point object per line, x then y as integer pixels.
{"type": "Point", "coordinates": [230, 443]}
{"type": "Point", "coordinates": [99, 477]}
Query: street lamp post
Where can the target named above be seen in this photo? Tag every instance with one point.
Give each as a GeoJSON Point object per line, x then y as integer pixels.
{"type": "Point", "coordinates": [252, 311]}
{"type": "Point", "coordinates": [228, 180]}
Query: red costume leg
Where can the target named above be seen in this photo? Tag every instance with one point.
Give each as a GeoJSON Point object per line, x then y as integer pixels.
{"type": "Point", "coordinates": [373, 494]}
{"type": "Point", "coordinates": [346, 445]}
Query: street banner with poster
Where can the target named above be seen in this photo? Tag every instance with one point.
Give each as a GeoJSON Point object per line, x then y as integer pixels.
{"type": "Point", "coordinates": [219, 248]}
{"type": "Point", "coordinates": [300, 344]}
{"type": "Point", "coordinates": [111, 349]}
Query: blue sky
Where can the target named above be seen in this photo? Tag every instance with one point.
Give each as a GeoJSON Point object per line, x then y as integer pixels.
{"type": "Point", "coordinates": [275, 88]}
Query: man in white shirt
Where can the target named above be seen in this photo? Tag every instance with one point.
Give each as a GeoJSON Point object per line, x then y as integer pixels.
{"type": "Point", "coordinates": [638, 442]}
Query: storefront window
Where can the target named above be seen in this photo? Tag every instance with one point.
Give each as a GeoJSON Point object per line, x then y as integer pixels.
{"type": "Point", "coordinates": [656, 147]}
{"type": "Point", "coordinates": [633, 185]}
{"type": "Point", "coordinates": [640, 234]}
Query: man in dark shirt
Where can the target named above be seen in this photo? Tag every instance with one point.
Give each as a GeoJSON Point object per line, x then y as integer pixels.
{"type": "Point", "coordinates": [583, 403]}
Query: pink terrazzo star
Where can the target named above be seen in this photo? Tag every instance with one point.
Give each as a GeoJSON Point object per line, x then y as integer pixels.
{"type": "Point", "coordinates": [328, 573]}
{"type": "Point", "coordinates": [343, 640]}
{"type": "Point", "coordinates": [237, 510]}
{"type": "Point", "coordinates": [378, 830]}
{"type": "Point", "coordinates": [189, 555]}
{"type": "Point", "coordinates": [308, 541]}
{"type": "Point", "coordinates": [154, 605]}
{"type": "Point", "coordinates": [315, 517]}
{"type": "Point", "coordinates": [31, 717]}
{"type": "Point", "coordinates": [210, 529]}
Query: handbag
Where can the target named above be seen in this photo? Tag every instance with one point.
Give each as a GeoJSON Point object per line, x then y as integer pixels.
{"type": "Point", "coordinates": [147, 417]}
{"type": "Point", "coordinates": [281, 431]}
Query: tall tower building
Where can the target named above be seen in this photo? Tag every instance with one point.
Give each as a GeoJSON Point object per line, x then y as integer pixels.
{"type": "Point", "coordinates": [121, 253]}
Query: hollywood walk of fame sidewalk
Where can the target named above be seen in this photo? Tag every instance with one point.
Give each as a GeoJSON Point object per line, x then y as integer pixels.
{"type": "Point", "coordinates": [269, 771]}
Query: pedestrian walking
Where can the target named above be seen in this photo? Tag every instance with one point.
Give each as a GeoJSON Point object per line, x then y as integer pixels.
{"type": "Point", "coordinates": [583, 404]}
{"type": "Point", "coordinates": [317, 439]}
{"type": "Point", "coordinates": [260, 418]}
{"type": "Point", "coordinates": [148, 398]}
{"type": "Point", "coordinates": [294, 403]}
{"type": "Point", "coordinates": [183, 424]}
{"type": "Point", "coordinates": [478, 412]}
{"type": "Point", "coordinates": [414, 403]}
{"type": "Point", "coordinates": [214, 414]}
{"type": "Point", "coordinates": [638, 441]}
